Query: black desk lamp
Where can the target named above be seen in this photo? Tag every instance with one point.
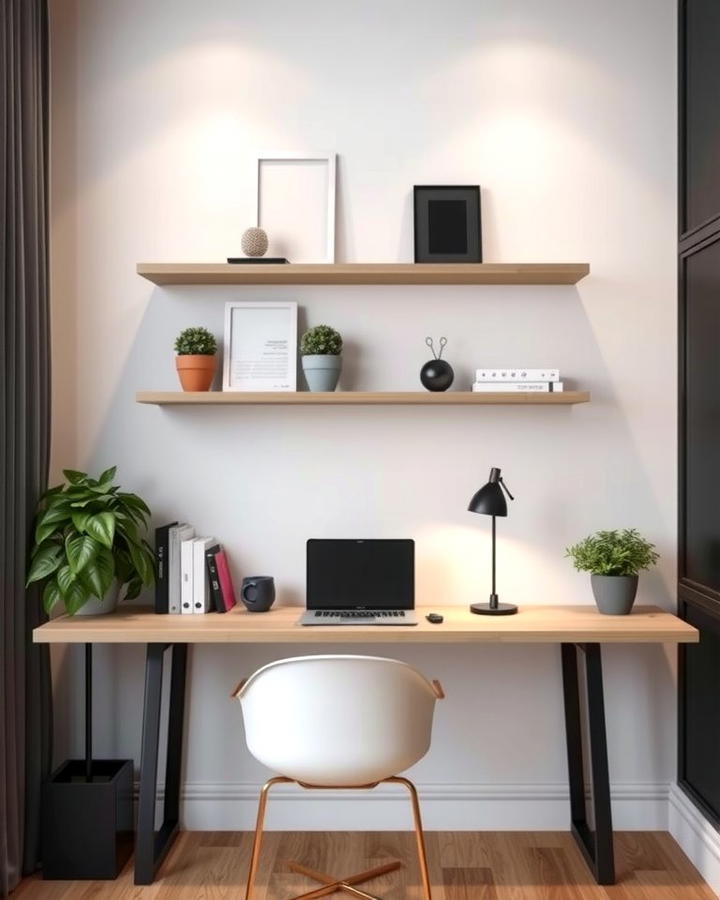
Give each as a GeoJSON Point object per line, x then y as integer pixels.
{"type": "Point", "coordinates": [490, 501]}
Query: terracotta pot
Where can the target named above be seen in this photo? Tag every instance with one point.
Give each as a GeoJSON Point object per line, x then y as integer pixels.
{"type": "Point", "coordinates": [196, 372]}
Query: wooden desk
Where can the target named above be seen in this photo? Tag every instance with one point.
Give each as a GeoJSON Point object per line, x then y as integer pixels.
{"type": "Point", "coordinates": [577, 629]}
{"type": "Point", "coordinates": [531, 625]}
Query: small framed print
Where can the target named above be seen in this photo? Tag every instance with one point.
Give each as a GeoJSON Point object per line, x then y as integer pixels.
{"type": "Point", "coordinates": [447, 223]}
{"type": "Point", "coordinates": [260, 346]}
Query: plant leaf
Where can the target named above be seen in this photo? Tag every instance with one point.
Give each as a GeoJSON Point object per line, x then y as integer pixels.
{"type": "Point", "coordinates": [75, 477]}
{"type": "Point", "coordinates": [108, 474]}
{"type": "Point", "coordinates": [80, 549]}
{"type": "Point", "coordinates": [51, 520]}
{"type": "Point", "coordinates": [51, 596]}
{"type": "Point", "coordinates": [46, 561]}
{"type": "Point", "coordinates": [102, 528]}
{"type": "Point", "coordinates": [79, 520]}
{"type": "Point", "coordinates": [134, 501]}
{"type": "Point", "coordinates": [133, 589]}
{"type": "Point", "coordinates": [75, 597]}
{"type": "Point", "coordinates": [98, 575]}
{"type": "Point", "coordinates": [143, 566]}
{"type": "Point", "coordinates": [65, 579]}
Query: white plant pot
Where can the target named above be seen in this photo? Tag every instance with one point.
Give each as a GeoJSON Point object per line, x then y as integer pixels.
{"type": "Point", "coordinates": [108, 604]}
{"type": "Point", "coordinates": [322, 371]}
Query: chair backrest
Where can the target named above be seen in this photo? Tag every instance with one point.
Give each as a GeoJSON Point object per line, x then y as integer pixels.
{"type": "Point", "coordinates": [337, 720]}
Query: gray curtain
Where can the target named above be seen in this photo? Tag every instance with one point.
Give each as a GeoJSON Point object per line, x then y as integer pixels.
{"type": "Point", "coordinates": [25, 711]}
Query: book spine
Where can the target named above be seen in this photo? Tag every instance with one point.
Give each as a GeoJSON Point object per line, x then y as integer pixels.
{"type": "Point", "coordinates": [162, 539]}
{"type": "Point", "coordinates": [200, 580]}
{"type": "Point", "coordinates": [186, 577]}
{"type": "Point", "coordinates": [226, 585]}
{"type": "Point", "coordinates": [517, 374]}
{"type": "Point", "coordinates": [216, 598]}
{"type": "Point", "coordinates": [518, 387]}
{"type": "Point", "coordinates": [173, 571]}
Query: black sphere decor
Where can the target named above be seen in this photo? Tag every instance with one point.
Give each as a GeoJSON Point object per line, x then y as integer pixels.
{"type": "Point", "coordinates": [437, 375]}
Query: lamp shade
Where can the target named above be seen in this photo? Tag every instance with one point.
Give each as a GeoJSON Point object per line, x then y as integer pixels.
{"type": "Point", "coordinates": [490, 499]}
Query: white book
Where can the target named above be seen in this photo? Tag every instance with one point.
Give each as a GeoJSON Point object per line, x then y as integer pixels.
{"type": "Point", "coordinates": [518, 387]}
{"type": "Point", "coordinates": [509, 373]}
{"type": "Point", "coordinates": [201, 584]}
{"type": "Point", "coordinates": [186, 576]}
{"type": "Point", "coordinates": [176, 535]}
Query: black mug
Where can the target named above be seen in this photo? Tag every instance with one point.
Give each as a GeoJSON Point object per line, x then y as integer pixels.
{"type": "Point", "coordinates": [258, 592]}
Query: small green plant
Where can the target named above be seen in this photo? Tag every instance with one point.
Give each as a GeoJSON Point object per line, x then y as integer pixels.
{"type": "Point", "coordinates": [89, 533]}
{"type": "Point", "coordinates": [195, 342]}
{"type": "Point", "coordinates": [321, 340]}
{"type": "Point", "coordinates": [613, 553]}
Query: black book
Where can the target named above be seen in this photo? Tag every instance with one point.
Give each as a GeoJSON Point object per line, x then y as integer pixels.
{"type": "Point", "coordinates": [216, 596]}
{"type": "Point", "coordinates": [162, 574]}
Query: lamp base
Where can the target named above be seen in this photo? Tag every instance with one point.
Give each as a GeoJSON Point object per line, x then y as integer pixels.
{"type": "Point", "coordinates": [484, 609]}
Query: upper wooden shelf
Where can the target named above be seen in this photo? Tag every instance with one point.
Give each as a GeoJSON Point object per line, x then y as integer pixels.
{"type": "Point", "coordinates": [364, 273]}
{"type": "Point", "coordinates": [357, 398]}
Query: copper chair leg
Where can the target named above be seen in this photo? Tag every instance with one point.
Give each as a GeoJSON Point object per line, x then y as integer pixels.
{"type": "Point", "coordinates": [257, 840]}
{"type": "Point", "coordinates": [422, 855]}
{"type": "Point", "coordinates": [331, 885]}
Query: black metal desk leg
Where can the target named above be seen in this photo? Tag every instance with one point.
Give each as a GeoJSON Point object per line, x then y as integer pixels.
{"type": "Point", "coordinates": [596, 845]}
{"type": "Point", "coordinates": [150, 845]}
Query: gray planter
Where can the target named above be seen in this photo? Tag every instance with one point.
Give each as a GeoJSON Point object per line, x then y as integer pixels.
{"type": "Point", "coordinates": [322, 371]}
{"type": "Point", "coordinates": [614, 594]}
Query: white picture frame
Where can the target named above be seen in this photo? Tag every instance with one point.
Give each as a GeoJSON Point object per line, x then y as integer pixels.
{"type": "Point", "coordinates": [295, 204]}
{"type": "Point", "coordinates": [260, 346]}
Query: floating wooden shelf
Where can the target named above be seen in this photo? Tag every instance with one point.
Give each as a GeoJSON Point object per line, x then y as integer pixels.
{"type": "Point", "coordinates": [364, 273]}
{"type": "Point", "coordinates": [359, 398]}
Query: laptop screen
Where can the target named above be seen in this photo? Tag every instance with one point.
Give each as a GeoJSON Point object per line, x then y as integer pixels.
{"type": "Point", "coordinates": [360, 574]}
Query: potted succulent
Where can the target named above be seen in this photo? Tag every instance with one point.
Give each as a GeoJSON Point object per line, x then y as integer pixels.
{"type": "Point", "coordinates": [89, 543]}
{"type": "Point", "coordinates": [195, 360]}
{"type": "Point", "coordinates": [613, 559]}
{"type": "Point", "coordinates": [320, 348]}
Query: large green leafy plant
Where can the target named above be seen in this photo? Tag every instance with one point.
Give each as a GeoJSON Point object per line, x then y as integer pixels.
{"type": "Point", "coordinates": [87, 534]}
{"type": "Point", "coordinates": [613, 553]}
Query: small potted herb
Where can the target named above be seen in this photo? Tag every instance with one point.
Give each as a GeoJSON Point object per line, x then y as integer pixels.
{"type": "Point", "coordinates": [320, 348]}
{"type": "Point", "coordinates": [89, 543]}
{"type": "Point", "coordinates": [196, 360]}
{"type": "Point", "coordinates": [614, 559]}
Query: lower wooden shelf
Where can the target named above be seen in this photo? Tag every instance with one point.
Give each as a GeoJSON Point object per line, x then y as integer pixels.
{"type": "Point", "coordinates": [358, 398]}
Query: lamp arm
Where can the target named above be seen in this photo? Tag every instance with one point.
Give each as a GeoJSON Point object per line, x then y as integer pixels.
{"type": "Point", "coordinates": [505, 488]}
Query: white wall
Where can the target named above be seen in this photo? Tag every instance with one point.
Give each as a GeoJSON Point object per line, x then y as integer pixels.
{"type": "Point", "coordinates": [564, 112]}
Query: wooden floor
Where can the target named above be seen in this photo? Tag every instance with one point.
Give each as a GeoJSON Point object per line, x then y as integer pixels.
{"type": "Point", "coordinates": [463, 866]}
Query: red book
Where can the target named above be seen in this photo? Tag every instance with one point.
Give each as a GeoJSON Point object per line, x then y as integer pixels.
{"type": "Point", "coordinates": [226, 585]}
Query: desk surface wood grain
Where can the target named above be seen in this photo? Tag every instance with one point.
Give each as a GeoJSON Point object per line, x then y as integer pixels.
{"type": "Point", "coordinates": [532, 624]}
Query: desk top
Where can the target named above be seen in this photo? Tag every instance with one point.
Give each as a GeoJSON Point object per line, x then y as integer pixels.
{"type": "Point", "coordinates": [532, 624]}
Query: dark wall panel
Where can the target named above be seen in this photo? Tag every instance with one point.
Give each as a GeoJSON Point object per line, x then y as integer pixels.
{"type": "Point", "coordinates": [700, 719]}
{"type": "Point", "coordinates": [701, 289]}
{"type": "Point", "coordinates": [702, 123]}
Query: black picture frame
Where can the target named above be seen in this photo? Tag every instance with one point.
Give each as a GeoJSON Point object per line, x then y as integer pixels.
{"type": "Point", "coordinates": [447, 223]}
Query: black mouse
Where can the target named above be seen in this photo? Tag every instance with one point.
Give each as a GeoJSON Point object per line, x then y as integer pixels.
{"type": "Point", "coordinates": [435, 618]}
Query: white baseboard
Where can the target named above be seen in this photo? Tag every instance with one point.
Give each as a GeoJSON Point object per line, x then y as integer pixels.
{"type": "Point", "coordinates": [231, 806]}
{"type": "Point", "coordinates": [699, 839]}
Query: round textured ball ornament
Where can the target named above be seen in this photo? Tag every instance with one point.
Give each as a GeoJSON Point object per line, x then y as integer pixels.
{"type": "Point", "coordinates": [437, 375]}
{"type": "Point", "coordinates": [254, 242]}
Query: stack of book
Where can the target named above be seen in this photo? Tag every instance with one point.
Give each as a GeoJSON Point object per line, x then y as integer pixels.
{"type": "Point", "coordinates": [193, 575]}
{"type": "Point", "coordinates": [512, 380]}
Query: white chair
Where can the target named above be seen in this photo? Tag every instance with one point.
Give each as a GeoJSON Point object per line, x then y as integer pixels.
{"type": "Point", "coordinates": [338, 722]}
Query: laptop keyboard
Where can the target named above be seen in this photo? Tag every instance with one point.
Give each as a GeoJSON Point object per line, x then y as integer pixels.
{"type": "Point", "coordinates": [359, 613]}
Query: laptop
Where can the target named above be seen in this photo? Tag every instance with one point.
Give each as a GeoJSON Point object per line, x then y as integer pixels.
{"type": "Point", "coordinates": [360, 582]}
